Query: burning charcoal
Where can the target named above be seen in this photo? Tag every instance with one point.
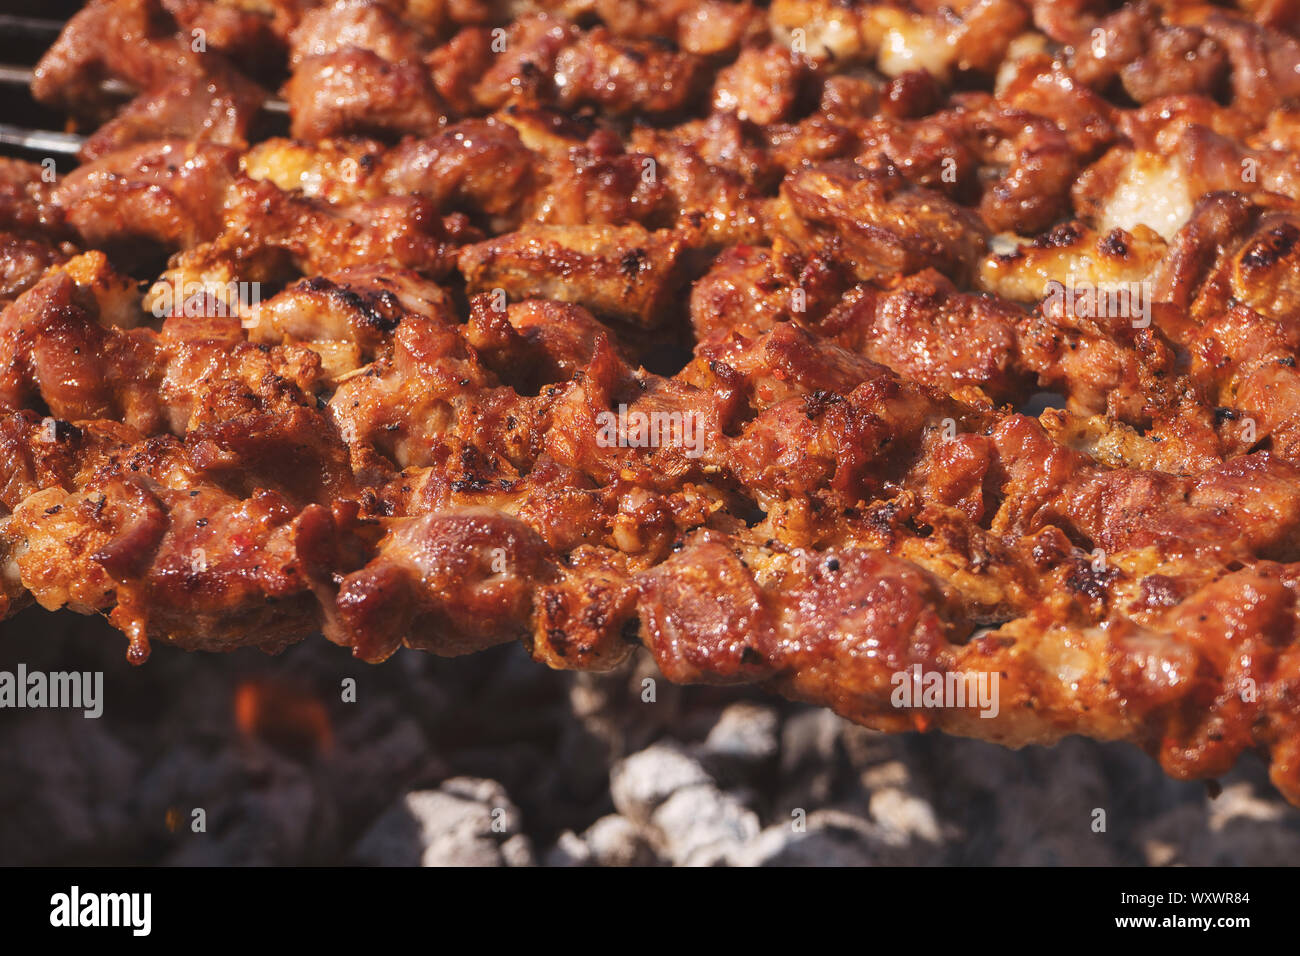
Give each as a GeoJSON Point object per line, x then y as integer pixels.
{"type": "Point", "coordinates": [80, 779]}
{"type": "Point", "coordinates": [830, 838]}
{"type": "Point", "coordinates": [744, 733]}
{"type": "Point", "coordinates": [700, 825]}
{"type": "Point", "coordinates": [569, 850]}
{"type": "Point", "coordinates": [615, 840]}
{"type": "Point", "coordinates": [645, 780]}
{"type": "Point", "coordinates": [465, 822]}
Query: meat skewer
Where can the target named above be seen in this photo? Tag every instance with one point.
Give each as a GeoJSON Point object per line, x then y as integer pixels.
{"type": "Point", "coordinates": [435, 429]}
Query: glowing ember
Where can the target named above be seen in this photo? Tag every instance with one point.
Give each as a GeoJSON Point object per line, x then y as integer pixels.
{"type": "Point", "coordinates": [283, 715]}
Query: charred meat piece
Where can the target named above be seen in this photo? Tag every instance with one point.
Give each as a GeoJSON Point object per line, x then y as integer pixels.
{"type": "Point", "coordinates": [624, 272]}
{"type": "Point", "coordinates": [876, 224]}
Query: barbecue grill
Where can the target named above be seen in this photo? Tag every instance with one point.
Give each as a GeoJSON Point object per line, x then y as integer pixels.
{"type": "Point", "coordinates": [299, 722]}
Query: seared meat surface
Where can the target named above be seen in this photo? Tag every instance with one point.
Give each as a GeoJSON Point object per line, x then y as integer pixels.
{"type": "Point", "coordinates": [712, 327]}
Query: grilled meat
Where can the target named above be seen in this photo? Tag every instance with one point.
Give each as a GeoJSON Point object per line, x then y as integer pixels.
{"type": "Point", "coordinates": [447, 420]}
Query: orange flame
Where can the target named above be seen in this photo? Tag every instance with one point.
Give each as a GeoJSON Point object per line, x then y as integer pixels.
{"type": "Point", "coordinates": [283, 715]}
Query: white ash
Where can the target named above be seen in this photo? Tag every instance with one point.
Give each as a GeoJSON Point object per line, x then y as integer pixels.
{"type": "Point", "coordinates": [573, 770]}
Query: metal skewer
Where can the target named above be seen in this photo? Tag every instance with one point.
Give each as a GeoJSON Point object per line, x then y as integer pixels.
{"type": "Point", "coordinates": [22, 76]}
{"type": "Point", "coordinates": [40, 140]}
{"type": "Point", "coordinates": [32, 26]}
